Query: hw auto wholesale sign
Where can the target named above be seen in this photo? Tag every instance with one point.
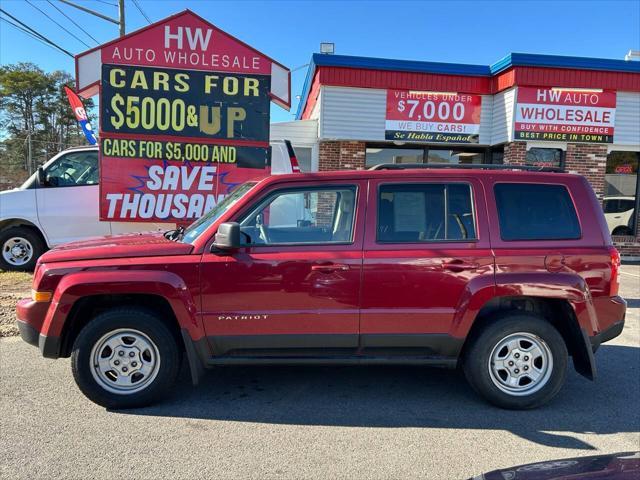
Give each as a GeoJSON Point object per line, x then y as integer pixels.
{"type": "Point", "coordinates": [565, 115]}
{"type": "Point", "coordinates": [184, 118]}
{"type": "Point", "coordinates": [432, 117]}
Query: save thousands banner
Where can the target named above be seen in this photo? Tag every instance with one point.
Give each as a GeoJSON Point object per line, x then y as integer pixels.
{"type": "Point", "coordinates": [184, 118]}
{"type": "Point", "coordinates": [435, 117]}
{"type": "Point", "coordinates": [565, 115]}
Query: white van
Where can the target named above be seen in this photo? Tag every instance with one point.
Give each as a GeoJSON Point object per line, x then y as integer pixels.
{"type": "Point", "coordinates": [60, 204]}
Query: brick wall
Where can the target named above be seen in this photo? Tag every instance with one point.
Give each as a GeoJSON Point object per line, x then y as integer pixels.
{"type": "Point", "coordinates": [590, 161]}
{"type": "Point", "coordinates": [337, 155]}
{"type": "Point", "coordinates": [515, 153]}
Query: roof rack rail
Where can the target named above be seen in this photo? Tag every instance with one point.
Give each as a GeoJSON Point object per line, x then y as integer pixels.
{"type": "Point", "coordinates": [467, 166]}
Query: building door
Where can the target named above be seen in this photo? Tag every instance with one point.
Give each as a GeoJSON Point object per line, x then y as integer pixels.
{"type": "Point", "coordinates": [425, 245]}
{"type": "Point", "coordinates": [294, 286]}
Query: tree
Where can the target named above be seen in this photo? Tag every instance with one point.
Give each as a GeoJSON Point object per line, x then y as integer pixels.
{"type": "Point", "coordinates": [34, 110]}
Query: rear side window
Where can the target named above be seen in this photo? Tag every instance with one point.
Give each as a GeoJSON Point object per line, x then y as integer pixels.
{"type": "Point", "coordinates": [529, 211]}
{"type": "Point", "coordinates": [428, 212]}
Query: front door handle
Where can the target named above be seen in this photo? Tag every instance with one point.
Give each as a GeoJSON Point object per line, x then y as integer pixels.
{"type": "Point", "coordinates": [459, 265]}
{"type": "Point", "coordinates": [329, 268]}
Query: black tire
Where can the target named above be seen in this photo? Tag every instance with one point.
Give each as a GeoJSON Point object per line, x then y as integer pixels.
{"type": "Point", "coordinates": [137, 319]}
{"type": "Point", "coordinates": [28, 235]}
{"type": "Point", "coordinates": [477, 369]}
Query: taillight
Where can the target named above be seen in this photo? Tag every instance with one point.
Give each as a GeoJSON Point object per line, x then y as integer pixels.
{"type": "Point", "coordinates": [614, 285]}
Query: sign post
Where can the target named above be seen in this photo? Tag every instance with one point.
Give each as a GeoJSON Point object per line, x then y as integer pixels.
{"type": "Point", "coordinates": [184, 117]}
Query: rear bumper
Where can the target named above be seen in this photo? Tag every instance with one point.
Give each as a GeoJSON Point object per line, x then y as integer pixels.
{"type": "Point", "coordinates": [607, 334]}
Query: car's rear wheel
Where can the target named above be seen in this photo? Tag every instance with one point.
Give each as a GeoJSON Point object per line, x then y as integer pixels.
{"type": "Point", "coordinates": [517, 361]}
{"type": "Point", "coordinates": [20, 248]}
{"type": "Point", "coordinates": [125, 358]}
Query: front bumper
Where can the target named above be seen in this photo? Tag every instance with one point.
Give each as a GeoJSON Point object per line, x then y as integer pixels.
{"type": "Point", "coordinates": [30, 318]}
{"type": "Point", "coordinates": [28, 333]}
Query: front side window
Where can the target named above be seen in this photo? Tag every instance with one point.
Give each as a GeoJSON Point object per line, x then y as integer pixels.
{"type": "Point", "coordinates": [531, 211]}
{"type": "Point", "coordinates": [428, 212]}
{"type": "Point", "coordinates": [73, 170]}
{"type": "Point", "coordinates": [194, 230]}
{"type": "Point", "coordinates": [302, 216]}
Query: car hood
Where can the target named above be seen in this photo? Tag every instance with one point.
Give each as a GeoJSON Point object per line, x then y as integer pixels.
{"type": "Point", "coordinates": [117, 246]}
{"type": "Point", "coordinates": [615, 466]}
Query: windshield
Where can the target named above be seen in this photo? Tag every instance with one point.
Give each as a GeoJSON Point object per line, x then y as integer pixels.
{"type": "Point", "coordinates": [196, 228]}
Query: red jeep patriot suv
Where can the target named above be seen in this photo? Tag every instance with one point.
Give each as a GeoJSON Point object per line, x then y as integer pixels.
{"type": "Point", "coordinates": [505, 273]}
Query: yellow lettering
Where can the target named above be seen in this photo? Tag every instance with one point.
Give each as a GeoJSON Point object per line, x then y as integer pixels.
{"type": "Point", "coordinates": [235, 114]}
{"type": "Point", "coordinates": [251, 87]}
{"type": "Point", "coordinates": [210, 82]}
{"type": "Point", "coordinates": [139, 80]}
{"type": "Point", "coordinates": [161, 79]}
{"type": "Point", "coordinates": [117, 82]}
{"type": "Point", "coordinates": [181, 82]}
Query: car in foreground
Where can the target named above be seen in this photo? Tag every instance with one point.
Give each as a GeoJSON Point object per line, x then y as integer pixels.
{"type": "Point", "coordinates": [505, 273]}
{"type": "Point", "coordinates": [614, 466]}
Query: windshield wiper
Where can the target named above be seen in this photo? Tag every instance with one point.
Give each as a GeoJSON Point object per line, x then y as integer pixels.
{"type": "Point", "coordinates": [174, 235]}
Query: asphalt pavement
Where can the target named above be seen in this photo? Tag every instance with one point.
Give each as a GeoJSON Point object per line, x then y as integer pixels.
{"type": "Point", "coordinates": [312, 422]}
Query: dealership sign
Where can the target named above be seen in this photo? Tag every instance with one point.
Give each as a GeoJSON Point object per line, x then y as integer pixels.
{"type": "Point", "coordinates": [565, 115]}
{"type": "Point", "coordinates": [184, 117]}
{"type": "Point", "coordinates": [435, 117]}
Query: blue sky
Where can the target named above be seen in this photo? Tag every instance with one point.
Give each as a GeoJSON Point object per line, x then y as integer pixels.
{"type": "Point", "coordinates": [461, 32]}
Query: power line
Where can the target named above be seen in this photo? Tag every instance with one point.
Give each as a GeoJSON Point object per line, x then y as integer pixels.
{"type": "Point", "coordinates": [36, 33]}
{"type": "Point", "coordinates": [106, 3]}
{"type": "Point", "coordinates": [135, 2]}
{"type": "Point", "coordinates": [70, 33]}
{"type": "Point", "coordinates": [27, 32]}
{"type": "Point", "coordinates": [72, 21]}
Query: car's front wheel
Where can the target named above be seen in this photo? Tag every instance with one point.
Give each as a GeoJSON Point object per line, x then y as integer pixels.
{"type": "Point", "coordinates": [125, 358]}
{"type": "Point", "coordinates": [517, 361]}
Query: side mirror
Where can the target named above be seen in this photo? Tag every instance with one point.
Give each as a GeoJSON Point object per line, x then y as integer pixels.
{"type": "Point", "coordinates": [42, 179]}
{"type": "Point", "coordinates": [227, 237]}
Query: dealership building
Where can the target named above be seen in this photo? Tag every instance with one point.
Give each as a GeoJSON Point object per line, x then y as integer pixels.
{"type": "Point", "coordinates": [577, 114]}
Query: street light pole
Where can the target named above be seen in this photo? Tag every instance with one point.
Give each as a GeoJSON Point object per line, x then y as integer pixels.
{"type": "Point", "coordinates": [121, 17]}
{"type": "Point", "coordinates": [119, 22]}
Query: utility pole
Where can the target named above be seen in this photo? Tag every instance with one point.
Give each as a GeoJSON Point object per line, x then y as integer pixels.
{"type": "Point", "coordinates": [119, 22]}
{"type": "Point", "coordinates": [121, 17]}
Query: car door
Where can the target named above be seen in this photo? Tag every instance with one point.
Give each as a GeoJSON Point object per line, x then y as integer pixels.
{"type": "Point", "coordinates": [426, 242]}
{"type": "Point", "coordinates": [68, 201]}
{"type": "Point", "coordinates": [294, 286]}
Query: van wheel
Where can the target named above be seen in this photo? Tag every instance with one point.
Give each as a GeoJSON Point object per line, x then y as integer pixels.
{"type": "Point", "coordinates": [518, 361]}
{"type": "Point", "coordinates": [21, 248]}
{"type": "Point", "coordinates": [125, 358]}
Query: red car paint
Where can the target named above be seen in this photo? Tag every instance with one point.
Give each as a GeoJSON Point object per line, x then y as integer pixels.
{"type": "Point", "coordinates": [363, 298]}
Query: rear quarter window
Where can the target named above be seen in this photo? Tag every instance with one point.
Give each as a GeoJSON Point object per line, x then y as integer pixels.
{"type": "Point", "coordinates": [530, 211]}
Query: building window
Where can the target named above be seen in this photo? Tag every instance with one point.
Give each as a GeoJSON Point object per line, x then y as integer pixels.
{"type": "Point", "coordinates": [377, 156]}
{"type": "Point", "coordinates": [621, 192]}
{"type": "Point", "coordinates": [455, 157]}
{"type": "Point", "coordinates": [304, 158]}
{"type": "Point", "coordinates": [544, 157]}
{"type": "Point", "coordinates": [381, 153]}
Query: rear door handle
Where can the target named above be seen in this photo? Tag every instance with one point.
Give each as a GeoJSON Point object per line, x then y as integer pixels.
{"type": "Point", "coordinates": [329, 268]}
{"type": "Point", "coordinates": [459, 265]}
